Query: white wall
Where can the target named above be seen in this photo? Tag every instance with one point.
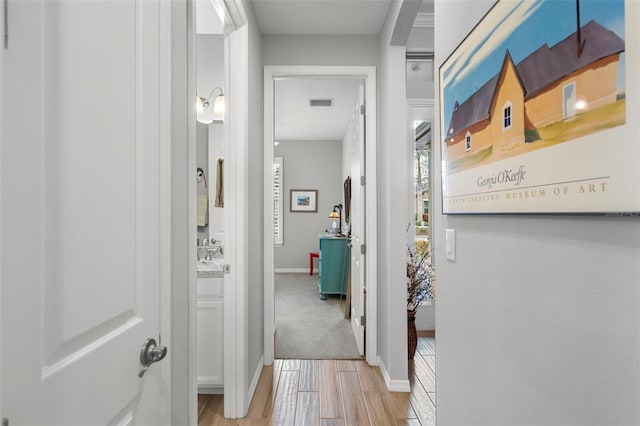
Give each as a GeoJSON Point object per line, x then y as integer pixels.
{"type": "Point", "coordinates": [394, 198]}
{"type": "Point", "coordinates": [539, 318]}
{"type": "Point", "coordinates": [308, 165]}
{"type": "Point", "coordinates": [319, 50]}
{"type": "Point", "coordinates": [182, 235]}
{"type": "Point", "coordinates": [255, 204]}
{"type": "Point", "coordinates": [421, 39]}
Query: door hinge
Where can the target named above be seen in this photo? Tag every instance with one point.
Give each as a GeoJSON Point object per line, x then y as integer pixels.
{"type": "Point", "coordinates": [363, 109]}
{"type": "Point", "coordinates": [363, 321]}
{"type": "Point", "coordinates": [6, 28]}
{"type": "Point", "coordinates": [363, 180]}
{"type": "Point", "coordinates": [363, 249]}
{"type": "Point", "coordinates": [226, 269]}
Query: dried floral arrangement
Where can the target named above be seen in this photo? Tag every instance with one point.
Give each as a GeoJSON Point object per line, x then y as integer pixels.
{"type": "Point", "coordinates": [420, 277]}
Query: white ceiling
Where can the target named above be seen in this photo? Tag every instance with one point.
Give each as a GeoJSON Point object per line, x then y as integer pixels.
{"type": "Point", "coordinates": [295, 120]}
{"type": "Point", "coordinates": [321, 16]}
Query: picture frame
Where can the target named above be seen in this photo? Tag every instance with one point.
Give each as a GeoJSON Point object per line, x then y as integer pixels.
{"type": "Point", "coordinates": [303, 200]}
{"type": "Point", "coordinates": [537, 121]}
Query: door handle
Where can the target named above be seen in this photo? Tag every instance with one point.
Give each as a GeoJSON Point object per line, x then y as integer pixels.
{"type": "Point", "coordinates": [150, 353]}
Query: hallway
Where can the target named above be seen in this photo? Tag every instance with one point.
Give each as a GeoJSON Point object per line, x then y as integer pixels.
{"type": "Point", "coordinates": [334, 392]}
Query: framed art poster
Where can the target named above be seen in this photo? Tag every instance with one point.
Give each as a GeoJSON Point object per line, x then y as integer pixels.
{"type": "Point", "coordinates": [304, 200]}
{"type": "Point", "coordinates": [536, 113]}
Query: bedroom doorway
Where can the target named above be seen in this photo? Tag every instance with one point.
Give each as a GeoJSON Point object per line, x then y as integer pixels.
{"type": "Point", "coordinates": [315, 132]}
{"type": "Point", "coordinates": [293, 231]}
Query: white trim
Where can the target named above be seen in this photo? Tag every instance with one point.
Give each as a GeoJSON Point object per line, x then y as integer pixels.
{"type": "Point", "coordinates": [393, 385]}
{"type": "Point", "coordinates": [371, 219]}
{"type": "Point", "coordinates": [211, 390]}
{"type": "Point", "coordinates": [231, 14]}
{"type": "Point", "coordinates": [192, 194]}
{"type": "Point", "coordinates": [269, 240]}
{"type": "Point", "coordinates": [229, 331]}
{"type": "Point", "coordinates": [295, 271]}
{"type": "Point", "coordinates": [424, 20]}
{"type": "Point", "coordinates": [165, 141]}
{"type": "Point", "coordinates": [368, 73]}
{"type": "Point", "coordinates": [236, 224]}
{"type": "Point", "coordinates": [2, 59]}
{"type": "Point", "coordinates": [256, 378]}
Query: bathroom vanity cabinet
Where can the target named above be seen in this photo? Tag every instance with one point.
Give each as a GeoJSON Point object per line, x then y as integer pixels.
{"type": "Point", "coordinates": [210, 307]}
{"type": "Point", "coordinates": [333, 263]}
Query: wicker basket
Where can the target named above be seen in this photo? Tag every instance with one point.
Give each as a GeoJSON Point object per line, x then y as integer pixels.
{"type": "Point", "coordinates": [412, 334]}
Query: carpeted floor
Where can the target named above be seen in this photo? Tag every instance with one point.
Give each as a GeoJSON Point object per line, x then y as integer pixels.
{"type": "Point", "coordinates": [307, 327]}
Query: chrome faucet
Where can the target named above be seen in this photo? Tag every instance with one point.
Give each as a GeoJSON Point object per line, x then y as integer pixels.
{"type": "Point", "coordinates": [212, 251]}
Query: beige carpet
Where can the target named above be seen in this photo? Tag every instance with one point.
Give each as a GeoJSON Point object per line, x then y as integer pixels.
{"type": "Point", "coordinates": [307, 327]}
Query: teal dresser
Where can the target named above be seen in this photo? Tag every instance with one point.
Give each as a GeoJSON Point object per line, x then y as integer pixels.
{"type": "Point", "coordinates": [333, 272]}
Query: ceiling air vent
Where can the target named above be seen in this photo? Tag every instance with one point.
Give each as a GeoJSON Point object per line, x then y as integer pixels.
{"type": "Point", "coordinates": [320, 102]}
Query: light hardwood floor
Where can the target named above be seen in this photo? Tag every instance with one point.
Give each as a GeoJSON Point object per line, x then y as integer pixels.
{"type": "Point", "coordinates": [334, 392]}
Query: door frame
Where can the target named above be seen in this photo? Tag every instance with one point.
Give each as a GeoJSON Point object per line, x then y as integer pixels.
{"type": "Point", "coordinates": [2, 19]}
{"type": "Point", "coordinates": [423, 109]}
{"type": "Point", "coordinates": [368, 74]}
{"type": "Point", "coordinates": [233, 17]}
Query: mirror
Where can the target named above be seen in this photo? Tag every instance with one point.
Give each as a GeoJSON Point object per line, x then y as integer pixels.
{"type": "Point", "coordinates": [210, 137]}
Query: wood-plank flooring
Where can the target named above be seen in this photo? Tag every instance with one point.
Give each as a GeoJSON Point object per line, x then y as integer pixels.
{"type": "Point", "coordinates": [334, 392]}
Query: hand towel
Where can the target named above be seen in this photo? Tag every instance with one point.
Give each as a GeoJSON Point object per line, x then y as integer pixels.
{"type": "Point", "coordinates": [203, 210]}
{"type": "Point", "coordinates": [219, 200]}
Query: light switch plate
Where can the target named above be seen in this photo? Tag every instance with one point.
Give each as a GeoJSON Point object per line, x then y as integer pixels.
{"type": "Point", "coordinates": [450, 244]}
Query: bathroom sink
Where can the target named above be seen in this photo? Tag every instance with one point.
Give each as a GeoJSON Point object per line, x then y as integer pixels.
{"type": "Point", "coordinates": [215, 264]}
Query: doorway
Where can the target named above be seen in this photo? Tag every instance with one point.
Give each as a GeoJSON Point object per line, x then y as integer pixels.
{"type": "Point", "coordinates": [314, 141]}
{"type": "Point", "coordinates": [209, 101]}
{"type": "Point", "coordinates": [421, 162]}
{"type": "Point", "coordinates": [368, 305]}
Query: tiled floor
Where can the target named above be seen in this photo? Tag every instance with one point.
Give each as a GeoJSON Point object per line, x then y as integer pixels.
{"type": "Point", "coordinates": [334, 392]}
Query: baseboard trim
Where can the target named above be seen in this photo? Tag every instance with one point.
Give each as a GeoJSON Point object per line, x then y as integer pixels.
{"type": "Point", "coordinates": [211, 390]}
{"type": "Point", "coordinates": [294, 271]}
{"type": "Point", "coordinates": [393, 385]}
{"type": "Point", "coordinates": [256, 378]}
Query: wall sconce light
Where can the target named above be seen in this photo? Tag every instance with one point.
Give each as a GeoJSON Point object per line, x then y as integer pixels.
{"type": "Point", "coordinates": [336, 213]}
{"type": "Point", "coordinates": [202, 104]}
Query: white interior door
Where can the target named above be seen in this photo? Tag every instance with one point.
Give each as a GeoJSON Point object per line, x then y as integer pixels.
{"type": "Point", "coordinates": [358, 218]}
{"type": "Point", "coordinates": [81, 212]}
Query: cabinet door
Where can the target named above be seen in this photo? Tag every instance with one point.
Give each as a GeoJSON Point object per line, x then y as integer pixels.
{"type": "Point", "coordinates": [334, 260]}
{"type": "Point", "coordinates": [210, 348]}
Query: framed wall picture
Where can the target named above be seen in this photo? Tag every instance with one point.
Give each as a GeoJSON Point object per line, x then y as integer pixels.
{"type": "Point", "coordinates": [536, 111]}
{"type": "Point", "coordinates": [304, 200]}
